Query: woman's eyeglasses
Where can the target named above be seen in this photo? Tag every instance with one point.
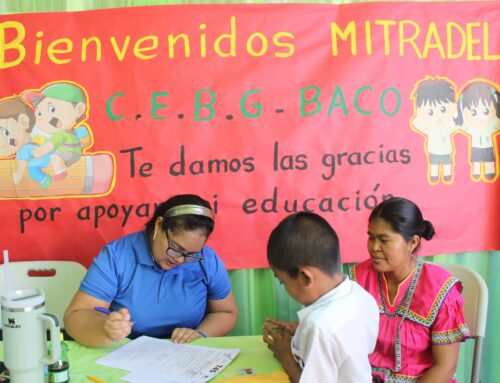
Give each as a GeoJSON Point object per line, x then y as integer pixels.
{"type": "Point", "coordinates": [188, 257]}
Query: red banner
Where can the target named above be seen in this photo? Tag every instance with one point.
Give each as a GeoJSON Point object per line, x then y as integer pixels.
{"type": "Point", "coordinates": [261, 109]}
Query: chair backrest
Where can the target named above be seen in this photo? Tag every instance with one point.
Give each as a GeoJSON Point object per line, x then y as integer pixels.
{"type": "Point", "coordinates": [58, 279]}
{"type": "Point", "coordinates": [475, 293]}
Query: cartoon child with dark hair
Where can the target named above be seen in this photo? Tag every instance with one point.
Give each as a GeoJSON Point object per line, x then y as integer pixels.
{"type": "Point", "coordinates": [479, 116]}
{"type": "Point", "coordinates": [16, 123]}
{"type": "Point", "coordinates": [435, 112]}
{"type": "Point", "coordinates": [58, 108]}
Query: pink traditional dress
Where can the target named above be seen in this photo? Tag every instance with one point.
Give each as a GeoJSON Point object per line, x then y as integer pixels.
{"type": "Point", "coordinates": [427, 311]}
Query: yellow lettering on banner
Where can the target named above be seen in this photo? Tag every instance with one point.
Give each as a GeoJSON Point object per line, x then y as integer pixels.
{"type": "Point", "coordinates": [98, 48]}
{"type": "Point", "coordinates": [120, 53]}
{"type": "Point", "coordinates": [139, 50]}
{"type": "Point", "coordinates": [172, 40]}
{"type": "Point", "coordinates": [263, 44]}
{"type": "Point", "coordinates": [432, 34]}
{"type": "Point", "coordinates": [387, 37]}
{"type": "Point", "coordinates": [348, 33]}
{"type": "Point", "coordinates": [279, 43]}
{"type": "Point", "coordinates": [232, 41]}
{"type": "Point", "coordinates": [459, 41]}
{"type": "Point", "coordinates": [450, 41]}
{"type": "Point", "coordinates": [471, 41]}
{"type": "Point", "coordinates": [486, 41]}
{"type": "Point", "coordinates": [410, 39]}
{"type": "Point", "coordinates": [59, 47]}
{"type": "Point", "coordinates": [14, 44]}
{"type": "Point", "coordinates": [203, 41]}
{"type": "Point", "coordinates": [368, 38]}
{"type": "Point", "coordinates": [38, 47]}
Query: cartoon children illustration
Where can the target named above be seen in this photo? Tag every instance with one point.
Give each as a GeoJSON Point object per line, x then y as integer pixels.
{"type": "Point", "coordinates": [435, 113]}
{"type": "Point", "coordinates": [16, 123]}
{"type": "Point", "coordinates": [479, 116]}
{"type": "Point", "coordinates": [58, 108]}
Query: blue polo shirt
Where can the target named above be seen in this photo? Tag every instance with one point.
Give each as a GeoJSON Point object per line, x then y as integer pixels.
{"type": "Point", "coordinates": [159, 301]}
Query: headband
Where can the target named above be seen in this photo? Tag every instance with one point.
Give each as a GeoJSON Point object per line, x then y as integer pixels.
{"type": "Point", "coordinates": [189, 209]}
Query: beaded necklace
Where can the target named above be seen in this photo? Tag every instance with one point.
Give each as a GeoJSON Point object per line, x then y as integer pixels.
{"type": "Point", "coordinates": [406, 301]}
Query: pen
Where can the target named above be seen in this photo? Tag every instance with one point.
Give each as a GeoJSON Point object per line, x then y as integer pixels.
{"type": "Point", "coordinates": [93, 378]}
{"type": "Point", "coordinates": [106, 311]}
{"type": "Point", "coordinates": [102, 310]}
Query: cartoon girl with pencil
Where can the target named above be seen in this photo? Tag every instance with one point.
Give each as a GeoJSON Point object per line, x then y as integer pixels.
{"type": "Point", "coordinates": [479, 117]}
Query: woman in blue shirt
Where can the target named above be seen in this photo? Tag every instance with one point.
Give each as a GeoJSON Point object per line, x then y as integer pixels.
{"type": "Point", "coordinates": [162, 282]}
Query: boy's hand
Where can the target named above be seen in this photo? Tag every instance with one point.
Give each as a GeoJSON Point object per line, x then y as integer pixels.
{"type": "Point", "coordinates": [276, 325]}
{"type": "Point", "coordinates": [40, 151]}
{"type": "Point", "coordinates": [37, 152]}
{"type": "Point", "coordinates": [279, 342]}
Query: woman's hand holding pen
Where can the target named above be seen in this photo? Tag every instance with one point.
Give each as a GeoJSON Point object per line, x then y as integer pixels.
{"type": "Point", "coordinates": [118, 325]}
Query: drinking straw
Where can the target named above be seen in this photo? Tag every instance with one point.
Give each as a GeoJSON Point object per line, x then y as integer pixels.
{"type": "Point", "coordinates": [6, 274]}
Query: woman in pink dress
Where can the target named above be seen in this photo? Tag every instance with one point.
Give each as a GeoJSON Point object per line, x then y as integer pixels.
{"type": "Point", "coordinates": [421, 308]}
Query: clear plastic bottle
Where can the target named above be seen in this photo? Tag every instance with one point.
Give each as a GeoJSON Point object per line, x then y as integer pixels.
{"type": "Point", "coordinates": [59, 371]}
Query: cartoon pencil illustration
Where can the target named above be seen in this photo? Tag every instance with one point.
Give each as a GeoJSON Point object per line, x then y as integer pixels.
{"type": "Point", "coordinates": [91, 174]}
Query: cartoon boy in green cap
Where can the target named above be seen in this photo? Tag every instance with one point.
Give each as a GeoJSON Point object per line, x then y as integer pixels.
{"type": "Point", "coordinates": [58, 108]}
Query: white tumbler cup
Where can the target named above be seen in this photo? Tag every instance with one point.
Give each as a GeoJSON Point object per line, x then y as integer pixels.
{"type": "Point", "coordinates": [25, 326]}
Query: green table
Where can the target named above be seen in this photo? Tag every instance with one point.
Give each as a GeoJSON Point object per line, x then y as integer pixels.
{"type": "Point", "coordinates": [253, 354]}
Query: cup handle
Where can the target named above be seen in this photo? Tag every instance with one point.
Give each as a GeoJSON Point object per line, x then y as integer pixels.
{"type": "Point", "coordinates": [52, 323]}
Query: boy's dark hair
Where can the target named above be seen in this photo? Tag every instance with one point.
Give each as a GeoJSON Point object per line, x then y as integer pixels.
{"type": "Point", "coordinates": [184, 222]}
{"type": "Point", "coordinates": [405, 218]}
{"type": "Point", "coordinates": [433, 91]}
{"type": "Point", "coordinates": [304, 239]}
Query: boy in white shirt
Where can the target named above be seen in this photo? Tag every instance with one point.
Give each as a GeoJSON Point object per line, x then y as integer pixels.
{"type": "Point", "coordinates": [435, 118]}
{"type": "Point", "coordinates": [338, 325]}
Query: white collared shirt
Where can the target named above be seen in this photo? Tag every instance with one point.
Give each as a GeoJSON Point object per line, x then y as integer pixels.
{"type": "Point", "coordinates": [335, 335]}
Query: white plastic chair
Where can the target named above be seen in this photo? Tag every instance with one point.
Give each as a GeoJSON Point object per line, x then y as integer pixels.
{"type": "Point", "coordinates": [58, 279]}
{"type": "Point", "coordinates": [475, 295]}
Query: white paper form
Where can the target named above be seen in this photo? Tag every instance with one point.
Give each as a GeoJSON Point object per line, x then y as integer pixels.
{"type": "Point", "coordinates": [150, 360]}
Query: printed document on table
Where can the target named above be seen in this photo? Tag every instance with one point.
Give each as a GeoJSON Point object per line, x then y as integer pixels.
{"type": "Point", "coordinates": [168, 362]}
